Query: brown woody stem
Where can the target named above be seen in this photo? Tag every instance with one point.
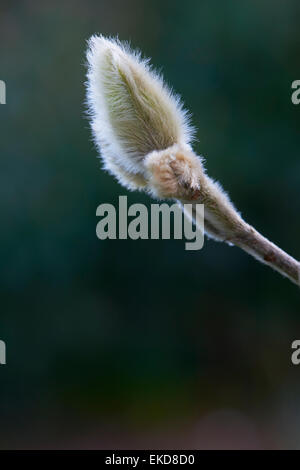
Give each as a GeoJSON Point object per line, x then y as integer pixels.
{"type": "Point", "coordinates": [228, 226]}
{"type": "Point", "coordinates": [268, 253]}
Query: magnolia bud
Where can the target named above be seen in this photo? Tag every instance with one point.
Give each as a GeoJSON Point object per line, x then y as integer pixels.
{"type": "Point", "coordinates": [144, 135]}
{"type": "Point", "coordinates": [133, 112]}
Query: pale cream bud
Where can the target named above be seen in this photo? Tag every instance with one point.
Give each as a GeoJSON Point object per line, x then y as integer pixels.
{"type": "Point", "coordinates": [132, 111]}
{"type": "Point", "coordinates": [144, 136]}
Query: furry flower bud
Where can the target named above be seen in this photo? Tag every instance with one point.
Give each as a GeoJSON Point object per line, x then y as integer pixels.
{"type": "Point", "coordinates": [133, 113]}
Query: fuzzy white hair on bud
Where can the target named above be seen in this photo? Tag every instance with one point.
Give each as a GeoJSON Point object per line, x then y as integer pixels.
{"type": "Point", "coordinates": [132, 110]}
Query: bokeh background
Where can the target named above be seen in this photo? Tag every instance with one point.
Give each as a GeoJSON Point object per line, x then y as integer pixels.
{"type": "Point", "coordinates": [141, 344]}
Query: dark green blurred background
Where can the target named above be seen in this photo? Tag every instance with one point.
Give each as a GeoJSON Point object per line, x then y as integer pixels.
{"type": "Point", "coordinates": [141, 344]}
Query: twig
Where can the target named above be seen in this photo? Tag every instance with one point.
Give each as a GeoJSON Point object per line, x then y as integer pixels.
{"type": "Point", "coordinates": [178, 173]}
{"type": "Point", "coordinates": [144, 137]}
